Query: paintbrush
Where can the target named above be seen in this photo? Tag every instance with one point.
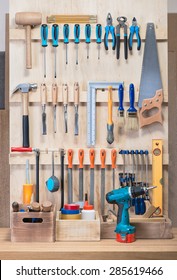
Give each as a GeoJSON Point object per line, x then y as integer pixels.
{"type": "Point", "coordinates": [132, 115]}
{"type": "Point", "coordinates": [120, 113]}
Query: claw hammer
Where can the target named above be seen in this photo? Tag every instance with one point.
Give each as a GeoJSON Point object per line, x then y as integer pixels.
{"type": "Point", "coordinates": [25, 88]}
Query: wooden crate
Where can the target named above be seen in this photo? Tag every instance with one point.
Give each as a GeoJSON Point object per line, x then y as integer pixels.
{"type": "Point", "coordinates": [155, 228]}
{"type": "Point", "coordinates": [77, 230]}
{"type": "Point", "coordinates": [33, 232]}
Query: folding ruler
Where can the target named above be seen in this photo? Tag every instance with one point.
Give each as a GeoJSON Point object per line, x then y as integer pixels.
{"type": "Point", "coordinates": [157, 195]}
{"type": "Point", "coordinates": [91, 108]}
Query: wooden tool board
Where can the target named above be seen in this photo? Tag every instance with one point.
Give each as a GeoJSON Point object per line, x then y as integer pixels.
{"type": "Point", "coordinates": [107, 69]}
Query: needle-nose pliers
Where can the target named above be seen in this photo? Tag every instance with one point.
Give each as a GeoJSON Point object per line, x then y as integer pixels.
{"type": "Point", "coordinates": [109, 29]}
{"type": "Point", "coordinates": [134, 29]}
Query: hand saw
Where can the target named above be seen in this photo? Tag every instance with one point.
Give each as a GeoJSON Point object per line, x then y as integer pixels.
{"type": "Point", "coordinates": [150, 93]}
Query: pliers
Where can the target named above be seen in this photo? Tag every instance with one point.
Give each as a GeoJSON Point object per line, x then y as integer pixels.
{"type": "Point", "coordinates": [134, 29]}
{"type": "Point", "coordinates": [122, 24]}
{"type": "Point", "coordinates": [109, 29]}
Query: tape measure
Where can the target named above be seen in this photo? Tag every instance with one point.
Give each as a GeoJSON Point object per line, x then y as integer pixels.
{"type": "Point", "coordinates": [91, 108]}
{"type": "Point", "coordinates": [157, 179]}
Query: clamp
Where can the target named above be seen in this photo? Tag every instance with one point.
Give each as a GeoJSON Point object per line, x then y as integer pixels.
{"type": "Point", "coordinates": [122, 24]}
{"type": "Point", "coordinates": [109, 29]}
{"type": "Point", "coordinates": [134, 29]}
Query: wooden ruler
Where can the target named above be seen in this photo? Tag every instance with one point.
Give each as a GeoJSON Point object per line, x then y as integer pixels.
{"type": "Point", "coordinates": [157, 195]}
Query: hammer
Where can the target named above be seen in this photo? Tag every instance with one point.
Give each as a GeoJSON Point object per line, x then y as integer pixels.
{"type": "Point", "coordinates": [25, 88]}
{"type": "Point", "coordinates": [29, 20]}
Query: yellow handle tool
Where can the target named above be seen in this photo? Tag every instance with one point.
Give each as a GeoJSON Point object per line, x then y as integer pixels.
{"type": "Point", "coordinates": [157, 179]}
{"type": "Point", "coordinates": [110, 124]}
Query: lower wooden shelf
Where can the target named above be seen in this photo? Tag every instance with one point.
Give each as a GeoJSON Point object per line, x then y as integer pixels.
{"type": "Point", "coordinates": [105, 249]}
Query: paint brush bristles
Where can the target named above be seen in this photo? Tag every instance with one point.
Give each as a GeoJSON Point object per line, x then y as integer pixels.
{"type": "Point", "coordinates": [120, 113]}
{"type": "Point", "coordinates": [132, 114]}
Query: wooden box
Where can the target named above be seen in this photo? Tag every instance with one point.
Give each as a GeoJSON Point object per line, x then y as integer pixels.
{"type": "Point", "coordinates": [146, 228]}
{"type": "Point", "coordinates": [24, 230]}
{"type": "Point", "coordinates": [77, 230]}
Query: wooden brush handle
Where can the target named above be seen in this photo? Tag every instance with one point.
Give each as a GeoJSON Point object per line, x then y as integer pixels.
{"type": "Point", "coordinates": [148, 104]}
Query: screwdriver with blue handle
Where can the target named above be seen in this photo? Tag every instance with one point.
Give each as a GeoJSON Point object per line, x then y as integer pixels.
{"type": "Point", "coordinates": [98, 37]}
{"type": "Point", "coordinates": [87, 37]}
{"type": "Point", "coordinates": [55, 35]}
{"type": "Point", "coordinates": [77, 39]}
{"type": "Point", "coordinates": [44, 38]}
{"type": "Point", "coordinates": [66, 39]}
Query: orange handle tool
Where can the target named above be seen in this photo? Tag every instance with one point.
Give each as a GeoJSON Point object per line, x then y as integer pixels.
{"type": "Point", "coordinates": [113, 158]}
{"type": "Point", "coordinates": [81, 158]}
{"type": "Point", "coordinates": [92, 157]}
{"type": "Point", "coordinates": [103, 158]}
{"type": "Point", "coordinates": [70, 158]}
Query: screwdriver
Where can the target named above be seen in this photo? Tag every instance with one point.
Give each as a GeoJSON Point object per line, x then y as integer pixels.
{"type": "Point", "coordinates": [44, 37]}
{"type": "Point", "coordinates": [98, 37]}
{"type": "Point", "coordinates": [87, 37]}
{"type": "Point", "coordinates": [66, 39]}
{"type": "Point", "coordinates": [55, 35]}
{"type": "Point", "coordinates": [76, 39]}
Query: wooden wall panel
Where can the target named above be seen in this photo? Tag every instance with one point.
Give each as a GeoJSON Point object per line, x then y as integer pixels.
{"type": "Point", "coordinates": [107, 69]}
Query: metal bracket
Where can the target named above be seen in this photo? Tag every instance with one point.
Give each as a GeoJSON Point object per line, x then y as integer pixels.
{"type": "Point", "coordinates": [91, 107]}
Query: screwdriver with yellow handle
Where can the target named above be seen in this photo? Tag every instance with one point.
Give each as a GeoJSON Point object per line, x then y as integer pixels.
{"type": "Point", "coordinates": [110, 124]}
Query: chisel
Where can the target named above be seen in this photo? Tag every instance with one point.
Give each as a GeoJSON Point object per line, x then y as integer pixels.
{"type": "Point", "coordinates": [70, 179]}
{"type": "Point", "coordinates": [103, 158]}
{"type": "Point", "coordinates": [92, 161]}
{"type": "Point", "coordinates": [54, 101]}
{"type": "Point", "coordinates": [43, 103]}
{"type": "Point", "coordinates": [65, 105]}
{"type": "Point", "coordinates": [113, 160]}
{"type": "Point", "coordinates": [81, 167]}
{"type": "Point", "coordinates": [76, 104]}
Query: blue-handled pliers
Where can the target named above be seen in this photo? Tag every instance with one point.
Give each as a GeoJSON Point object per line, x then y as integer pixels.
{"type": "Point", "coordinates": [134, 29]}
{"type": "Point", "coordinates": [109, 29]}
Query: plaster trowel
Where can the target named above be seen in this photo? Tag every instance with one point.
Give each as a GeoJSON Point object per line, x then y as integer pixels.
{"type": "Point", "coordinates": [150, 93]}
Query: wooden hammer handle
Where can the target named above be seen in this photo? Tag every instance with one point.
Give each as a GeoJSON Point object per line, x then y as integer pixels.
{"type": "Point", "coordinates": [28, 47]}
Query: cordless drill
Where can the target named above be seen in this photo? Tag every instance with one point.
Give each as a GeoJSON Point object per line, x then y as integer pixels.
{"type": "Point", "coordinates": [123, 198]}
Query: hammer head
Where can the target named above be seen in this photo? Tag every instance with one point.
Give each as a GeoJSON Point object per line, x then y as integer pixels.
{"type": "Point", "coordinates": [28, 18]}
{"type": "Point", "coordinates": [25, 88]}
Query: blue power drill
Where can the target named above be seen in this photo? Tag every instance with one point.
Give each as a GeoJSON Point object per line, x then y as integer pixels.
{"type": "Point", "coordinates": [123, 198]}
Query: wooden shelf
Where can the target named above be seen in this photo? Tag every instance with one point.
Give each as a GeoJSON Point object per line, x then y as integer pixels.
{"type": "Point", "coordinates": [19, 33]}
{"type": "Point", "coordinates": [101, 96]}
{"type": "Point", "coordinates": [106, 249]}
{"type": "Point", "coordinates": [45, 158]}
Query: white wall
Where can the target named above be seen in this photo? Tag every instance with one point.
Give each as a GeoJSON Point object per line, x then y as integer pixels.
{"type": "Point", "coordinates": [4, 7]}
{"type": "Point", "coordinates": [172, 6]}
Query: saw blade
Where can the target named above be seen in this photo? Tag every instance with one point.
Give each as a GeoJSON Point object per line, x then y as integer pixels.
{"type": "Point", "coordinates": [150, 75]}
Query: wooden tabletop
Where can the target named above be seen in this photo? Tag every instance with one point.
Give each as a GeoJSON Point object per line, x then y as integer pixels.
{"type": "Point", "coordinates": [147, 249]}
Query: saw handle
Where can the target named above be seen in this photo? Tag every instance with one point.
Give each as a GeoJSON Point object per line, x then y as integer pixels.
{"type": "Point", "coordinates": [92, 157]}
{"type": "Point", "coordinates": [81, 158]}
{"type": "Point", "coordinates": [103, 158]}
{"type": "Point", "coordinates": [147, 105]}
{"type": "Point", "coordinates": [113, 158]}
{"type": "Point", "coordinates": [70, 158]}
